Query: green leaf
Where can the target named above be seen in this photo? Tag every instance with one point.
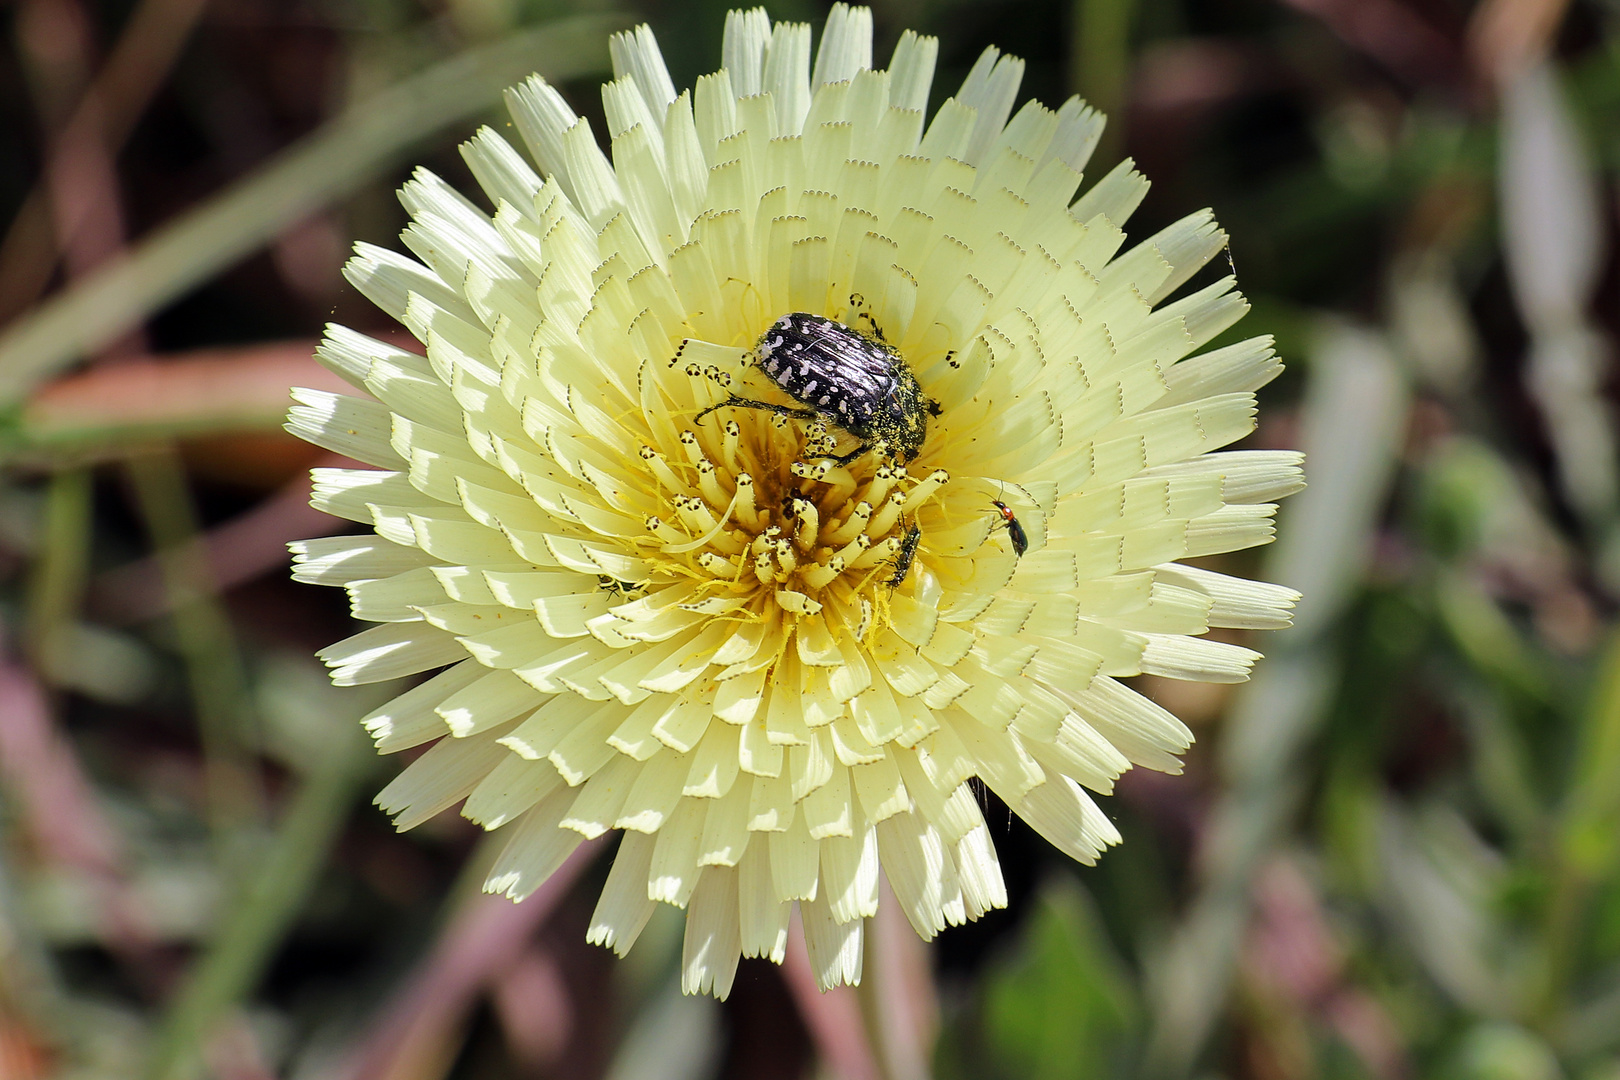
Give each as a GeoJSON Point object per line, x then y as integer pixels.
{"type": "Point", "coordinates": [1062, 1007]}
{"type": "Point", "coordinates": [1502, 1052]}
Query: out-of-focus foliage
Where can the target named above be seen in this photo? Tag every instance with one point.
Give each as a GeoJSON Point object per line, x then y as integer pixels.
{"type": "Point", "coordinates": [1394, 854]}
{"type": "Point", "coordinates": [1061, 1007]}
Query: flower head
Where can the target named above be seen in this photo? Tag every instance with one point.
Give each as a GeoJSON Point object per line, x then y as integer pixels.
{"type": "Point", "coordinates": [772, 647]}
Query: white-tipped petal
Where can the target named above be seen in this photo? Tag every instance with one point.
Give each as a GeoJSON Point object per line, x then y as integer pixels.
{"type": "Point", "coordinates": [501, 171]}
{"type": "Point", "coordinates": [536, 848]}
{"type": "Point", "coordinates": [846, 45]}
{"type": "Point", "coordinates": [762, 918]}
{"type": "Point", "coordinates": [635, 56]}
{"type": "Point", "coordinates": [836, 949]}
{"type": "Point", "coordinates": [786, 75]}
{"type": "Point", "coordinates": [911, 70]}
{"type": "Point", "coordinates": [713, 944]}
{"type": "Point", "coordinates": [990, 90]}
{"type": "Point", "coordinates": [543, 118]}
{"type": "Point", "coordinates": [742, 50]}
{"type": "Point", "coordinates": [623, 909]}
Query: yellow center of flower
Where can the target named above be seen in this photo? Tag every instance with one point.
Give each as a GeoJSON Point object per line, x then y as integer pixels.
{"type": "Point", "coordinates": [798, 551]}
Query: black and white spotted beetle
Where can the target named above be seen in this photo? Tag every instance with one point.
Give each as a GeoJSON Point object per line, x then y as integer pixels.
{"type": "Point", "coordinates": [858, 383]}
{"type": "Point", "coordinates": [1015, 531]}
{"type": "Point", "coordinates": [905, 557]}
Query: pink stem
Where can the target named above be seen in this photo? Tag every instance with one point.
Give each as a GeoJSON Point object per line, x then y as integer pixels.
{"type": "Point", "coordinates": [833, 1018]}
{"type": "Point", "coordinates": [484, 939]}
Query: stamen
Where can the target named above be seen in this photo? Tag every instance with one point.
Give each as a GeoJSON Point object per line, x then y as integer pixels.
{"type": "Point", "coordinates": [925, 490]}
{"type": "Point", "coordinates": [813, 472]}
{"type": "Point", "coordinates": [839, 480]}
{"type": "Point", "coordinates": [882, 480]}
{"type": "Point", "coordinates": [807, 527]}
{"type": "Point", "coordinates": [744, 510]}
{"type": "Point", "coordinates": [717, 565]}
{"type": "Point", "coordinates": [694, 449]}
{"type": "Point", "coordinates": [887, 514]}
{"type": "Point", "coordinates": [696, 514]}
{"type": "Point", "coordinates": [662, 473]}
{"type": "Point", "coordinates": [880, 552]}
{"type": "Point", "coordinates": [728, 448]}
{"type": "Point", "coordinates": [709, 484]}
{"type": "Point", "coordinates": [664, 531]}
{"type": "Point", "coordinates": [785, 556]}
{"type": "Point", "coordinates": [852, 550]}
{"type": "Point", "coordinates": [819, 576]}
{"type": "Point", "coordinates": [851, 526]}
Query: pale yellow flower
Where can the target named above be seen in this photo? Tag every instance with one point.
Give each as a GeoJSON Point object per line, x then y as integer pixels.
{"type": "Point", "coordinates": [693, 632]}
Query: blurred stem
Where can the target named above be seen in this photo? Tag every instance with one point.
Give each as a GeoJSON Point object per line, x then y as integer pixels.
{"type": "Point", "coordinates": [1585, 851]}
{"type": "Point", "coordinates": [869, 995]}
{"type": "Point", "coordinates": [56, 585]}
{"type": "Point", "coordinates": [346, 152]}
{"type": "Point", "coordinates": [897, 993]}
{"type": "Point", "coordinates": [1499, 760]}
{"type": "Point", "coordinates": [148, 43]}
{"type": "Point", "coordinates": [1099, 65]}
{"type": "Point", "coordinates": [1489, 640]}
{"type": "Point", "coordinates": [206, 642]}
{"type": "Point", "coordinates": [72, 448]}
{"type": "Point", "coordinates": [258, 917]}
{"type": "Point", "coordinates": [30, 986]}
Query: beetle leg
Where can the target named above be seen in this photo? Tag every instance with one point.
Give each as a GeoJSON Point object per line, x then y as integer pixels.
{"type": "Point", "coordinates": [766, 406]}
{"type": "Point", "coordinates": [845, 459]}
{"type": "Point", "coordinates": [863, 310]}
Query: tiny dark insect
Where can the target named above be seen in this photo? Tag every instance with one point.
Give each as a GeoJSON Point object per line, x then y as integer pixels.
{"type": "Point", "coordinates": [858, 383]}
{"type": "Point", "coordinates": [1015, 530]}
{"type": "Point", "coordinates": [620, 588]}
{"type": "Point", "coordinates": [908, 553]}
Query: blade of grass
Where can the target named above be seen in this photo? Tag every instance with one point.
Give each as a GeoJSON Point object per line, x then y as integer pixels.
{"type": "Point", "coordinates": [148, 43]}
{"type": "Point", "coordinates": [30, 984]}
{"type": "Point", "coordinates": [1489, 641]}
{"type": "Point", "coordinates": [675, 1037]}
{"type": "Point", "coordinates": [61, 569]}
{"type": "Point", "coordinates": [1552, 241]}
{"type": "Point", "coordinates": [1586, 851]}
{"type": "Point", "coordinates": [56, 804]}
{"type": "Point", "coordinates": [150, 398]}
{"type": "Point", "coordinates": [237, 550]}
{"type": "Point", "coordinates": [259, 916]}
{"type": "Point", "coordinates": [898, 998]}
{"type": "Point", "coordinates": [208, 647]}
{"type": "Point", "coordinates": [1099, 65]}
{"type": "Point", "coordinates": [334, 160]}
{"type": "Point", "coordinates": [108, 412]}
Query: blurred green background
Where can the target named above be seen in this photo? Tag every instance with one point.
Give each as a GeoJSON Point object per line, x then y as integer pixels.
{"type": "Point", "coordinates": [1394, 854]}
